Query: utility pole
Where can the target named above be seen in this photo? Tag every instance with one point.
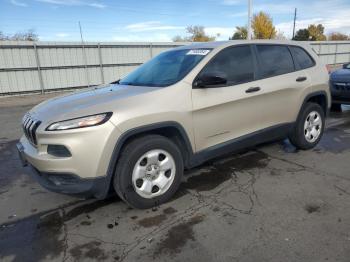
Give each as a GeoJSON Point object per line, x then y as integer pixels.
{"type": "Point", "coordinates": [295, 18]}
{"type": "Point", "coordinates": [84, 56]}
{"type": "Point", "coordinates": [249, 35]}
{"type": "Point", "coordinates": [81, 33]}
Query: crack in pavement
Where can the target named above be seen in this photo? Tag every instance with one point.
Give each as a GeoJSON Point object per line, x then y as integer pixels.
{"type": "Point", "coordinates": [308, 168]}
{"type": "Point", "coordinates": [203, 200]}
{"type": "Point", "coordinates": [246, 188]}
{"type": "Point", "coordinates": [342, 190]}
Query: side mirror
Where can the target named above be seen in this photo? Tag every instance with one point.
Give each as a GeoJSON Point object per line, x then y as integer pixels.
{"type": "Point", "coordinates": [346, 66]}
{"type": "Point", "coordinates": [210, 80]}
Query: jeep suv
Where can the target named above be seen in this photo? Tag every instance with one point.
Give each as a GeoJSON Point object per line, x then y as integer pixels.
{"type": "Point", "coordinates": [178, 110]}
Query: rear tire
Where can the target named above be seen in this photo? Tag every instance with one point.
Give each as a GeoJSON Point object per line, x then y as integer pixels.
{"type": "Point", "coordinates": [309, 127]}
{"type": "Point", "coordinates": [148, 172]}
{"type": "Point", "coordinates": [336, 107]}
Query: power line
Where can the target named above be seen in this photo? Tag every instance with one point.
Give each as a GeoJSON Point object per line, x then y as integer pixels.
{"type": "Point", "coordinates": [84, 55]}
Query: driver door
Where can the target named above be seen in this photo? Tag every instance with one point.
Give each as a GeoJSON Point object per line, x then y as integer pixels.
{"type": "Point", "coordinates": [225, 112]}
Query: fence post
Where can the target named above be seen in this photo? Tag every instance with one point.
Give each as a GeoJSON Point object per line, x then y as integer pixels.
{"type": "Point", "coordinates": [151, 50]}
{"type": "Point", "coordinates": [101, 64]}
{"type": "Point", "coordinates": [336, 51]}
{"type": "Point", "coordinates": [85, 65]}
{"type": "Point", "coordinates": [41, 82]}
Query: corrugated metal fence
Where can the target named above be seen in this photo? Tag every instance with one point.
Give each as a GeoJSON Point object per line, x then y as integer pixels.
{"type": "Point", "coordinates": [40, 66]}
{"type": "Point", "coordinates": [28, 66]}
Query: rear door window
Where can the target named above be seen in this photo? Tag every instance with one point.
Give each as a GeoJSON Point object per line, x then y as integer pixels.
{"type": "Point", "coordinates": [274, 60]}
{"type": "Point", "coordinates": [236, 63]}
{"type": "Point", "coordinates": [301, 57]}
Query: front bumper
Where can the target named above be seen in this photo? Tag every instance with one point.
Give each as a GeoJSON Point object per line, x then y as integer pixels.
{"type": "Point", "coordinates": [340, 100]}
{"type": "Point", "coordinates": [66, 183]}
{"type": "Point", "coordinates": [340, 92]}
{"type": "Point", "coordinates": [84, 172]}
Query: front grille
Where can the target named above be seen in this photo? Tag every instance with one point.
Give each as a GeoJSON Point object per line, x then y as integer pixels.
{"type": "Point", "coordinates": [341, 86]}
{"type": "Point", "coordinates": [30, 125]}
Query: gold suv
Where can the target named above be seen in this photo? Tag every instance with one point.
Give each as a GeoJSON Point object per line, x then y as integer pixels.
{"type": "Point", "coordinates": [176, 111]}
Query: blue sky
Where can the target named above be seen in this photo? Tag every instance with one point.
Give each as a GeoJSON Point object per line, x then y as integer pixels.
{"type": "Point", "coordinates": [160, 20]}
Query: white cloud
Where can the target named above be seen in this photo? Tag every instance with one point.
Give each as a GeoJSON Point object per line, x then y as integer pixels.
{"type": "Point", "coordinates": [143, 38]}
{"type": "Point", "coordinates": [95, 4]}
{"type": "Point", "coordinates": [274, 8]}
{"type": "Point", "coordinates": [151, 26]}
{"type": "Point", "coordinates": [331, 24]}
{"type": "Point", "coordinates": [224, 32]}
{"type": "Point", "coordinates": [145, 33]}
{"type": "Point", "coordinates": [239, 14]}
{"type": "Point", "coordinates": [287, 27]}
{"type": "Point", "coordinates": [18, 3]}
{"type": "Point", "coordinates": [231, 2]}
{"type": "Point", "coordinates": [62, 35]}
{"type": "Point", "coordinates": [333, 14]}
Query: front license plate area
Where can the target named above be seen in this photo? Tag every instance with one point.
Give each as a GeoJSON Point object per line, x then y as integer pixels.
{"type": "Point", "coordinates": [20, 150]}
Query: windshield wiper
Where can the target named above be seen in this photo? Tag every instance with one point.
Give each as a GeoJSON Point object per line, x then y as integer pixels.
{"type": "Point", "coordinates": [116, 82]}
{"type": "Point", "coordinates": [127, 83]}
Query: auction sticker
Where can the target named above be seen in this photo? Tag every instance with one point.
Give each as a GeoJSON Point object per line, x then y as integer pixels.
{"type": "Point", "coordinates": [198, 52]}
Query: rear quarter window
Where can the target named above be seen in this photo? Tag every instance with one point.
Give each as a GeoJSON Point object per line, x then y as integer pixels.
{"type": "Point", "coordinates": [274, 60]}
{"type": "Point", "coordinates": [302, 59]}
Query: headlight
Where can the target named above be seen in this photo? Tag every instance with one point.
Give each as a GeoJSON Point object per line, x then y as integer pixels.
{"type": "Point", "coordinates": [93, 120]}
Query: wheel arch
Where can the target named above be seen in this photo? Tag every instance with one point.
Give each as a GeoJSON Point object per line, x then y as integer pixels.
{"type": "Point", "coordinates": [320, 98]}
{"type": "Point", "coordinates": [171, 130]}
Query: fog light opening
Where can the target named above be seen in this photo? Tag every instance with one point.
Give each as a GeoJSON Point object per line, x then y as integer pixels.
{"type": "Point", "coordinates": [58, 151]}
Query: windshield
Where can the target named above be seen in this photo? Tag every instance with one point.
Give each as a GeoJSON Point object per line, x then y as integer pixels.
{"type": "Point", "coordinates": [165, 69]}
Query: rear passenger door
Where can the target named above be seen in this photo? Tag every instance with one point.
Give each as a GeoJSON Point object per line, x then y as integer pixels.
{"type": "Point", "coordinates": [282, 85]}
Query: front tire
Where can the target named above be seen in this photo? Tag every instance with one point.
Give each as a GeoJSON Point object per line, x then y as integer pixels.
{"type": "Point", "coordinates": [308, 129]}
{"type": "Point", "coordinates": [148, 172]}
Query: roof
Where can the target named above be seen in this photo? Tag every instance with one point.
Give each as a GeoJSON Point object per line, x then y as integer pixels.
{"type": "Point", "coordinates": [237, 42]}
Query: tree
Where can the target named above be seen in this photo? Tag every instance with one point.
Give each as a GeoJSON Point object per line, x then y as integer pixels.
{"type": "Point", "coordinates": [30, 35]}
{"type": "Point", "coordinates": [336, 36]}
{"type": "Point", "coordinates": [280, 36]}
{"type": "Point", "coordinates": [2, 36]}
{"type": "Point", "coordinates": [302, 35]}
{"type": "Point", "coordinates": [316, 32]}
{"type": "Point", "coordinates": [197, 34]}
{"type": "Point", "coordinates": [241, 33]}
{"type": "Point", "coordinates": [263, 27]}
{"type": "Point", "coordinates": [312, 33]}
{"type": "Point", "coordinates": [178, 38]}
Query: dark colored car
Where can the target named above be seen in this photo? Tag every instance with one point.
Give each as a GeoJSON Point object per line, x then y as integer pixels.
{"type": "Point", "coordinates": [340, 87]}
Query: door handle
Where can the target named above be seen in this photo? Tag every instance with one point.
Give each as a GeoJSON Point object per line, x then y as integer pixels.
{"type": "Point", "coordinates": [301, 78]}
{"type": "Point", "coordinates": [252, 89]}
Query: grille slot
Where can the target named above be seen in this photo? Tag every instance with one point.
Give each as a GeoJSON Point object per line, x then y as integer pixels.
{"type": "Point", "coordinates": [30, 125]}
{"type": "Point", "coordinates": [342, 86]}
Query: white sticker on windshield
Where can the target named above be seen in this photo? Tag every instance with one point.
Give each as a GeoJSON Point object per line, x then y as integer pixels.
{"type": "Point", "coordinates": [198, 52]}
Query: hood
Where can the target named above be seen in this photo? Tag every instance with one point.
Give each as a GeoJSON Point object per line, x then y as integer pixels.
{"type": "Point", "coordinates": [93, 101]}
{"type": "Point", "coordinates": [341, 75]}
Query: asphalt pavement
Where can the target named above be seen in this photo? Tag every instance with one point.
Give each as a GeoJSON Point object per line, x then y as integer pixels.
{"type": "Point", "coordinates": [271, 203]}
